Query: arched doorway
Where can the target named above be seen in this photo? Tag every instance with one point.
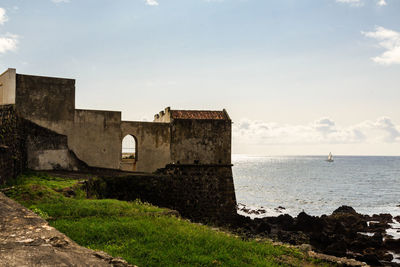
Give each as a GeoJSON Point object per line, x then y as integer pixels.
{"type": "Point", "coordinates": [129, 155]}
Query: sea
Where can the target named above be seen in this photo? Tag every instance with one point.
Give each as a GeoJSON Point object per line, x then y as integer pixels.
{"type": "Point", "coordinates": [292, 184]}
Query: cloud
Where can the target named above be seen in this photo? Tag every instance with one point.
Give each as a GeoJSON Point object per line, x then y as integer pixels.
{"type": "Point", "coordinates": [323, 131]}
{"type": "Point", "coordinates": [3, 16]}
{"type": "Point", "coordinates": [358, 3]}
{"type": "Point", "coordinates": [392, 132]}
{"type": "Point", "coordinates": [60, 1]}
{"type": "Point", "coordinates": [389, 40]}
{"type": "Point", "coordinates": [351, 2]}
{"type": "Point", "coordinates": [381, 3]}
{"type": "Point", "coordinates": [8, 42]}
{"type": "Point", "coordinates": [152, 2]}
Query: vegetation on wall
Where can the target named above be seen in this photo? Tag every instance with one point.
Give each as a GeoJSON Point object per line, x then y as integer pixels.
{"type": "Point", "coordinates": [11, 146]}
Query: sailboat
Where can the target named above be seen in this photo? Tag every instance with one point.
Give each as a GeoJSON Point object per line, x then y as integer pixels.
{"type": "Point", "coordinates": [330, 157]}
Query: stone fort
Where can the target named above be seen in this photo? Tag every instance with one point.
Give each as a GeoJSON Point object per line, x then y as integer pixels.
{"type": "Point", "coordinates": [44, 131]}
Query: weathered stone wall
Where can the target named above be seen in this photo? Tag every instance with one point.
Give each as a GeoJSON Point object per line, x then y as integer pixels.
{"type": "Point", "coordinates": [12, 156]}
{"type": "Point", "coordinates": [96, 138]}
{"type": "Point", "coordinates": [48, 150]}
{"type": "Point", "coordinates": [46, 101]}
{"type": "Point", "coordinates": [163, 116]}
{"type": "Point", "coordinates": [153, 144]}
{"type": "Point", "coordinates": [201, 141]}
{"type": "Point", "coordinates": [24, 144]}
{"type": "Point", "coordinates": [7, 87]}
{"type": "Point", "coordinates": [199, 192]}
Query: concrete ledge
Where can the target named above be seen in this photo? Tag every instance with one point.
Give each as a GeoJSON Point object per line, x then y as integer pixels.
{"type": "Point", "coordinates": [28, 240]}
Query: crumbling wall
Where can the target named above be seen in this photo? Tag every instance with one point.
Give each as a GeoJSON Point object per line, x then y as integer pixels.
{"type": "Point", "coordinates": [153, 143]}
{"type": "Point", "coordinates": [12, 152]}
{"type": "Point", "coordinates": [201, 141]}
{"type": "Point", "coordinates": [199, 192]}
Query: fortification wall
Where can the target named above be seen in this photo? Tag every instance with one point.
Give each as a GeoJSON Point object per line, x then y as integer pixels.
{"type": "Point", "coordinates": [198, 192]}
{"type": "Point", "coordinates": [96, 137]}
{"type": "Point", "coordinates": [7, 87]}
{"type": "Point", "coordinates": [201, 141]}
{"type": "Point", "coordinates": [24, 144]}
{"type": "Point", "coordinates": [46, 101]}
{"type": "Point", "coordinates": [163, 116]}
{"type": "Point", "coordinates": [153, 142]}
{"type": "Point", "coordinates": [12, 156]}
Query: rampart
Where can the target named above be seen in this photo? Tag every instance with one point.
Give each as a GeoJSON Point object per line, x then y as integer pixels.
{"type": "Point", "coordinates": [199, 192]}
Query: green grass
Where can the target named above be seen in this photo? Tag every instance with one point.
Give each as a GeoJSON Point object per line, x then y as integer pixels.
{"type": "Point", "coordinates": [141, 233]}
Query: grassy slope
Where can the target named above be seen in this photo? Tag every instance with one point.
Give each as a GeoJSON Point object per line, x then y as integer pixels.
{"type": "Point", "coordinates": [140, 233]}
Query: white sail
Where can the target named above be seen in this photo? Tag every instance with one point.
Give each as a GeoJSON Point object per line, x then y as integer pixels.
{"type": "Point", "coordinates": [330, 157]}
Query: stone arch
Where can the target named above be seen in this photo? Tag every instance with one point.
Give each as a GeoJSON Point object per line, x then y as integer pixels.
{"type": "Point", "coordinates": [129, 153]}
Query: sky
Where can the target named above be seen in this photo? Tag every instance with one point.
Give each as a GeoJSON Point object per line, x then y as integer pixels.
{"type": "Point", "coordinates": [297, 77]}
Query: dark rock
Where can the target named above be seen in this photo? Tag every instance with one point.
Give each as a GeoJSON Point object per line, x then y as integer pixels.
{"type": "Point", "coordinates": [285, 221]}
{"type": "Point", "coordinates": [293, 238]}
{"type": "Point", "coordinates": [397, 218]}
{"type": "Point", "coordinates": [262, 226]}
{"type": "Point", "coordinates": [337, 249]}
{"type": "Point", "coordinates": [362, 242]}
{"type": "Point", "coordinates": [392, 244]}
{"type": "Point", "coordinates": [387, 257]}
{"type": "Point", "coordinates": [370, 259]}
{"type": "Point", "coordinates": [383, 217]}
{"type": "Point", "coordinates": [378, 227]}
{"type": "Point", "coordinates": [345, 209]}
{"type": "Point", "coordinates": [307, 223]}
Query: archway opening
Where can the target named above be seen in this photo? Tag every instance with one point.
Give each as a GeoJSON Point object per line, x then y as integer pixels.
{"type": "Point", "coordinates": [129, 155]}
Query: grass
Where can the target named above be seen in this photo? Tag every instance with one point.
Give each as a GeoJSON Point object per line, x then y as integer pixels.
{"type": "Point", "coordinates": [141, 233]}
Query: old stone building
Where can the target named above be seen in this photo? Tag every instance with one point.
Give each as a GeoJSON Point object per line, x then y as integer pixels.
{"type": "Point", "coordinates": [182, 159]}
{"type": "Point", "coordinates": [95, 136]}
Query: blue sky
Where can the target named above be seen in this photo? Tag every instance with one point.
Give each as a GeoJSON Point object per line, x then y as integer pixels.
{"type": "Point", "coordinates": [297, 77]}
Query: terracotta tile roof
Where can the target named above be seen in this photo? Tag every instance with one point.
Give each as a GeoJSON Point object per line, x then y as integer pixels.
{"type": "Point", "coordinates": [198, 115]}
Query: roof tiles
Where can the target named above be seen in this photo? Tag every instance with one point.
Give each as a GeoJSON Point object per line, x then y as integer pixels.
{"type": "Point", "coordinates": [198, 115]}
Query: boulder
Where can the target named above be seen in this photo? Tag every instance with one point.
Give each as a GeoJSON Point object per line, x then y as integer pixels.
{"type": "Point", "coordinates": [345, 209]}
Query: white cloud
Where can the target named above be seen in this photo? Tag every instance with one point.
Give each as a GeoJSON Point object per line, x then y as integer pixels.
{"type": "Point", "coordinates": [389, 40]}
{"type": "Point", "coordinates": [320, 132]}
{"type": "Point", "coordinates": [381, 3]}
{"type": "Point", "coordinates": [8, 42]}
{"type": "Point", "coordinates": [152, 2]}
{"type": "Point", "coordinates": [60, 1]}
{"type": "Point", "coordinates": [392, 132]}
{"type": "Point", "coordinates": [3, 16]}
{"type": "Point", "coordinates": [358, 3]}
{"type": "Point", "coordinates": [351, 2]}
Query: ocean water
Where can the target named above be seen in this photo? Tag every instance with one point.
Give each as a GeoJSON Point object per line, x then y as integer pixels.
{"type": "Point", "coordinates": [369, 184]}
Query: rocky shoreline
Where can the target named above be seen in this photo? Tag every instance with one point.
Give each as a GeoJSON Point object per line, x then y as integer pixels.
{"type": "Point", "coordinates": [344, 233]}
